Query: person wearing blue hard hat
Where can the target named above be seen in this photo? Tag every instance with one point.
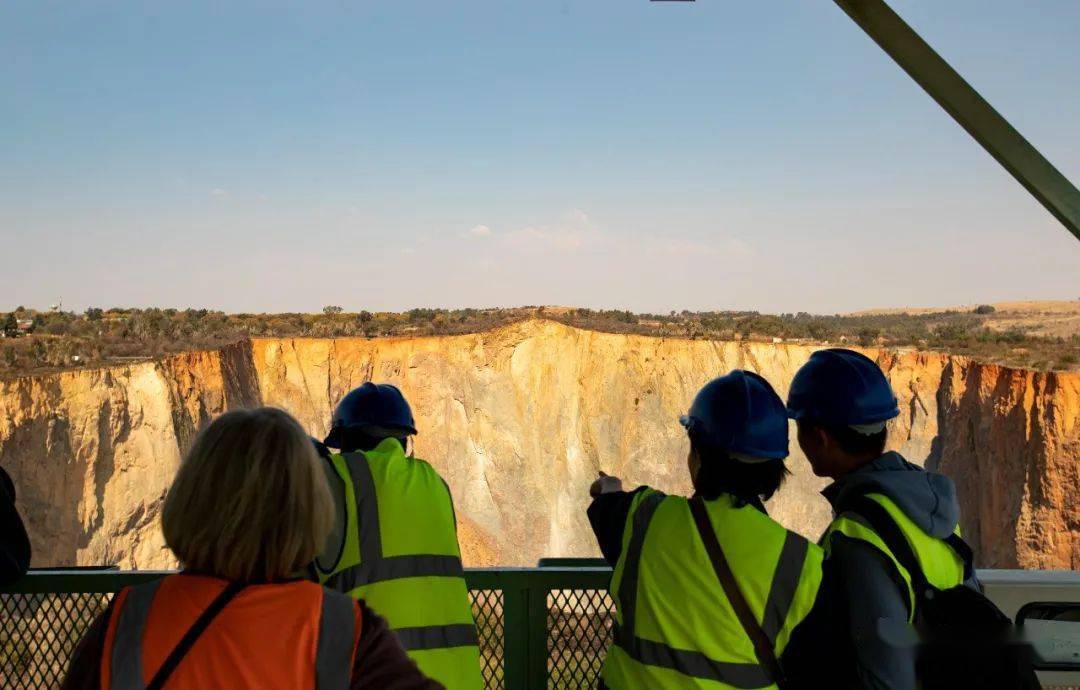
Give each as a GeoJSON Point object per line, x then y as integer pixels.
{"type": "Point", "coordinates": [842, 403]}
{"type": "Point", "coordinates": [678, 562]}
{"type": "Point", "coordinates": [395, 542]}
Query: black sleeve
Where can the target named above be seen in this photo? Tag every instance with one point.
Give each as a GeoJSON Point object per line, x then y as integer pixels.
{"type": "Point", "coordinates": [844, 638]}
{"type": "Point", "coordinates": [876, 602]}
{"type": "Point", "coordinates": [320, 448]}
{"type": "Point", "coordinates": [607, 515]}
{"type": "Point", "coordinates": [381, 661]}
{"type": "Point", "coordinates": [84, 669]}
{"type": "Point", "coordinates": [14, 544]}
{"type": "Point", "coordinates": [813, 646]}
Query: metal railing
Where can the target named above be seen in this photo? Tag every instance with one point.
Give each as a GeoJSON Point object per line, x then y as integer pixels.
{"type": "Point", "coordinates": [546, 627]}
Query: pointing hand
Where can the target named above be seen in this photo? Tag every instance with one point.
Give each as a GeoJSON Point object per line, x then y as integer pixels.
{"type": "Point", "coordinates": [605, 485]}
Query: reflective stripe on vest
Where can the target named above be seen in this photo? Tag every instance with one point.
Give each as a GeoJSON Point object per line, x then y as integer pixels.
{"type": "Point", "coordinates": [333, 654]}
{"type": "Point", "coordinates": [437, 636]}
{"type": "Point", "coordinates": [940, 564]}
{"type": "Point", "coordinates": [782, 593]}
{"type": "Point", "coordinates": [127, 667]}
{"type": "Point", "coordinates": [337, 637]}
{"type": "Point", "coordinates": [395, 568]}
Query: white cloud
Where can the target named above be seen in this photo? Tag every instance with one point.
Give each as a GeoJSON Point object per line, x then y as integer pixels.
{"type": "Point", "coordinates": [408, 250]}
{"type": "Point", "coordinates": [573, 232]}
{"type": "Point", "coordinates": [478, 231]}
{"type": "Point", "coordinates": [218, 193]}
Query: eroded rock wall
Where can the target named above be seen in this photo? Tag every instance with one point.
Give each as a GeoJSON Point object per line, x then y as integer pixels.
{"type": "Point", "coordinates": [519, 421]}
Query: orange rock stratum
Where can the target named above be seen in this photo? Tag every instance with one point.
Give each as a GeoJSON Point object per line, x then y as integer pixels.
{"type": "Point", "coordinates": [519, 420]}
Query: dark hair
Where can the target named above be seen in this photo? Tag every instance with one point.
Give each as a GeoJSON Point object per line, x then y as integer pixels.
{"type": "Point", "coordinates": [353, 439]}
{"type": "Point", "coordinates": [854, 443]}
{"type": "Point", "coordinates": [746, 482]}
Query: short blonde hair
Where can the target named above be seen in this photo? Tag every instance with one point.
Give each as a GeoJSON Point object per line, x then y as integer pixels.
{"type": "Point", "coordinates": [250, 501]}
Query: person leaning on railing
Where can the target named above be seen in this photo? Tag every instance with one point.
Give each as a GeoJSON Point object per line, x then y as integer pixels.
{"type": "Point", "coordinates": [708, 590]}
{"type": "Point", "coordinates": [14, 544]}
{"type": "Point", "coordinates": [395, 543]}
{"type": "Point", "coordinates": [247, 512]}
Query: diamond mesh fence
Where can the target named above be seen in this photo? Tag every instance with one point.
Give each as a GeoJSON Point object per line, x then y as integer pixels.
{"type": "Point", "coordinates": [38, 633]}
{"type": "Point", "coordinates": [579, 630]}
{"type": "Point", "coordinates": [487, 605]}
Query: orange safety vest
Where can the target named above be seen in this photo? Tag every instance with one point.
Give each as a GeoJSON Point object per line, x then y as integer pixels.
{"type": "Point", "coordinates": [290, 635]}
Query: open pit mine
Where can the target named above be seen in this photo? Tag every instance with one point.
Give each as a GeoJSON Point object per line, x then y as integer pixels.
{"type": "Point", "coordinates": [519, 421]}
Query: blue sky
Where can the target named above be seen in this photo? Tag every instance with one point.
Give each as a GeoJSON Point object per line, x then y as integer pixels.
{"type": "Point", "coordinates": [651, 156]}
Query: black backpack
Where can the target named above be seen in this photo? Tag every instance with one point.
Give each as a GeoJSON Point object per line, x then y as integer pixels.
{"type": "Point", "coordinates": [967, 642]}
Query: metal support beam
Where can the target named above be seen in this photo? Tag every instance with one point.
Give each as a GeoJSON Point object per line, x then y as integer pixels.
{"type": "Point", "coordinates": [959, 99]}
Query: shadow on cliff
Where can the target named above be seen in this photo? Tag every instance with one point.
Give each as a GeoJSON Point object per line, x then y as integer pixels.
{"type": "Point", "coordinates": [239, 378]}
{"type": "Point", "coordinates": [990, 481]}
{"type": "Point", "coordinates": [48, 500]}
{"type": "Point", "coordinates": [104, 469]}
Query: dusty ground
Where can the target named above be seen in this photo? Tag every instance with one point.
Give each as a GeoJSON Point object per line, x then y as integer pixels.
{"type": "Point", "coordinates": [1055, 318]}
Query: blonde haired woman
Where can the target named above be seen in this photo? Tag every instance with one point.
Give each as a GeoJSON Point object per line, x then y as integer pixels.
{"type": "Point", "coordinates": [247, 512]}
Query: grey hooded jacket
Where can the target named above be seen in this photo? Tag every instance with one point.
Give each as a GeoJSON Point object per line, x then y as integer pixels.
{"type": "Point", "coordinates": [862, 611]}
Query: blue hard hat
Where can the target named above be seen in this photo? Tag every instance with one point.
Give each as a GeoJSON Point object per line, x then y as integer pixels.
{"type": "Point", "coordinates": [742, 414]}
{"type": "Point", "coordinates": [839, 387]}
{"type": "Point", "coordinates": [378, 409]}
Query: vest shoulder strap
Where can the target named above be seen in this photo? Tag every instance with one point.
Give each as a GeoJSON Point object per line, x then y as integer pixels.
{"type": "Point", "coordinates": [762, 646]}
{"type": "Point", "coordinates": [337, 641]}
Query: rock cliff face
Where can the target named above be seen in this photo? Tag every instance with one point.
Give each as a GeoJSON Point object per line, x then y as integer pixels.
{"type": "Point", "coordinates": [518, 421]}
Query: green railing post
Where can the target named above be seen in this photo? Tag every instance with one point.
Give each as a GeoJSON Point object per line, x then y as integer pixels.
{"type": "Point", "coordinates": [516, 637]}
{"type": "Point", "coordinates": [537, 636]}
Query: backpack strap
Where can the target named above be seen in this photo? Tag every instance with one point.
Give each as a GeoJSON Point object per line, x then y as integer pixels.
{"type": "Point", "coordinates": [961, 548]}
{"type": "Point", "coordinates": [885, 527]}
{"type": "Point", "coordinates": [763, 649]}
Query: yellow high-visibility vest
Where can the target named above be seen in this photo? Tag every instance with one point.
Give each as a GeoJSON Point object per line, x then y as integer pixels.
{"type": "Point", "coordinates": [400, 554]}
{"type": "Point", "coordinates": [674, 625]}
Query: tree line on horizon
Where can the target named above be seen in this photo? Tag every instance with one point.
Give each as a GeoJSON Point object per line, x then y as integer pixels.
{"type": "Point", "coordinates": [36, 341]}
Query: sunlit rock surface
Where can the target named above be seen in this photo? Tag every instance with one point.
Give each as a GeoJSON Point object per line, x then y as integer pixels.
{"type": "Point", "coordinates": [519, 421]}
